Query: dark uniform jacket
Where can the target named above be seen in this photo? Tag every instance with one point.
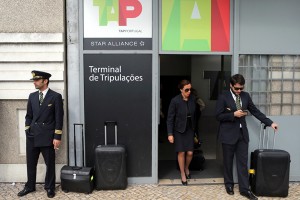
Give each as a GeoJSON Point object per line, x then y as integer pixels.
{"type": "Point", "coordinates": [229, 128]}
{"type": "Point", "coordinates": [177, 114]}
{"type": "Point", "coordinates": [45, 121]}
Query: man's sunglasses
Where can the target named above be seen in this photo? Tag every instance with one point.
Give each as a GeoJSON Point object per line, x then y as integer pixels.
{"type": "Point", "coordinates": [188, 90]}
{"type": "Point", "coordinates": [237, 88]}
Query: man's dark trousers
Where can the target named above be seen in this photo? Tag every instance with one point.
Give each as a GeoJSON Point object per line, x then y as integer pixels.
{"type": "Point", "coordinates": [240, 149]}
{"type": "Point", "coordinates": [32, 156]}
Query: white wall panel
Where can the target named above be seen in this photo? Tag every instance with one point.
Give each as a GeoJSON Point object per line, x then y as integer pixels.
{"type": "Point", "coordinates": [31, 57]}
{"type": "Point", "coordinates": [31, 66]}
{"type": "Point", "coordinates": [21, 90]}
{"type": "Point", "coordinates": [31, 48]}
{"type": "Point", "coordinates": [28, 85]}
{"type": "Point", "coordinates": [17, 173]}
{"type": "Point", "coordinates": [21, 94]}
{"type": "Point", "coordinates": [20, 53]}
{"type": "Point", "coordinates": [31, 37]}
{"type": "Point", "coordinates": [26, 75]}
{"type": "Point", "coordinates": [21, 130]}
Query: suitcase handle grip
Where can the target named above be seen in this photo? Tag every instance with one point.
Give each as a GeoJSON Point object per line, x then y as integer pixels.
{"type": "Point", "coordinates": [83, 158]}
{"type": "Point", "coordinates": [76, 168]}
{"type": "Point", "coordinates": [263, 128]}
{"type": "Point", "coordinates": [106, 123]}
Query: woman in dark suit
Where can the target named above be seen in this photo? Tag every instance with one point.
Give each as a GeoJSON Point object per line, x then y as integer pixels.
{"type": "Point", "coordinates": [181, 125]}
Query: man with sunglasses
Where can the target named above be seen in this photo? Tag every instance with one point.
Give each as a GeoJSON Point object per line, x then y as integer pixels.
{"type": "Point", "coordinates": [233, 133]}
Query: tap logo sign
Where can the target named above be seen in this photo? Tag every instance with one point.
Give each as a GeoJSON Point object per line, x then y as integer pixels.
{"type": "Point", "coordinates": [118, 11]}
{"type": "Point", "coordinates": [117, 19]}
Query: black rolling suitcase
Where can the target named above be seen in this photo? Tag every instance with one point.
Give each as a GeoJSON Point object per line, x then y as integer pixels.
{"type": "Point", "coordinates": [110, 164]}
{"type": "Point", "coordinates": [269, 169]}
{"type": "Point", "coordinates": [74, 178]}
{"type": "Point", "coordinates": [197, 163]}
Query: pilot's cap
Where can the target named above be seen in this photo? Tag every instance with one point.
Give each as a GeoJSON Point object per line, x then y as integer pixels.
{"type": "Point", "coordinates": [40, 75]}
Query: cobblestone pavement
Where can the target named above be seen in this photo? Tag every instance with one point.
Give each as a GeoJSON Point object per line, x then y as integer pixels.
{"type": "Point", "coordinates": [141, 192]}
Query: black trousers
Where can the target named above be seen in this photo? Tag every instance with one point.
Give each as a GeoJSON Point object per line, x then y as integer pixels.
{"type": "Point", "coordinates": [240, 150]}
{"type": "Point", "coordinates": [32, 156]}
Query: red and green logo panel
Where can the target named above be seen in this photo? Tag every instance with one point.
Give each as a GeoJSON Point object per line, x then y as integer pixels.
{"type": "Point", "coordinates": [196, 25]}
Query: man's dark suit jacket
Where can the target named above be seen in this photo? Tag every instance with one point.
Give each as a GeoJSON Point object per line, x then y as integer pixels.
{"type": "Point", "coordinates": [177, 114]}
{"type": "Point", "coordinates": [45, 121]}
{"type": "Point", "coordinates": [229, 128]}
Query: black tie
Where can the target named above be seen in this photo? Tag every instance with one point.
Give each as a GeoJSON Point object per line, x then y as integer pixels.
{"type": "Point", "coordinates": [238, 102]}
{"type": "Point", "coordinates": [41, 98]}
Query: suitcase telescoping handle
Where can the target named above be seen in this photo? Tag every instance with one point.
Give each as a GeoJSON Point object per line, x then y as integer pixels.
{"type": "Point", "coordinates": [76, 124]}
{"type": "Point", "coordinates": [106, 123]}
{"type": "Point", "coordinates": [263, 136]}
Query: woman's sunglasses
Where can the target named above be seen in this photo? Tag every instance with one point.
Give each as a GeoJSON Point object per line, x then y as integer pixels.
{"type": "Point", "coordinates": [188, 90]}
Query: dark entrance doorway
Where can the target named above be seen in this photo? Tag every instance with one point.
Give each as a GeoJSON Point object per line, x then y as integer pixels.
{"type": "Point", "coordinates": [209, 75]}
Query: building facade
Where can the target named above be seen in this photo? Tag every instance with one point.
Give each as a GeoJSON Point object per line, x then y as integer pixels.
{"type": "Point", "coordinates": [122, 70]}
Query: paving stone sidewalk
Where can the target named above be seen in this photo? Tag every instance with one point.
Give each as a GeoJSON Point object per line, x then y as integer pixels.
{"type": "Point", "coordinates": [141, 192]}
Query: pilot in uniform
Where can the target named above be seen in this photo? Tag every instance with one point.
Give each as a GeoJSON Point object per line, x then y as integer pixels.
{"type": "Point", "coordinates": [43, 128]}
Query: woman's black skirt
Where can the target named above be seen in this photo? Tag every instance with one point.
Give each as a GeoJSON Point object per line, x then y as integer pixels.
{"type": "Point", "coordinates": [184, 141]}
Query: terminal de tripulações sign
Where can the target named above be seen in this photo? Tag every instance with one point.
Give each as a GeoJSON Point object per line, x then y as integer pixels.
{"type": "Point", "coordinates": [118, 87]}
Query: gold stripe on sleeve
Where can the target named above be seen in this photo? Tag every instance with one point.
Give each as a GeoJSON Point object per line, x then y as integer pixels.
{"type": "Point", "coordinates": [58, 131]}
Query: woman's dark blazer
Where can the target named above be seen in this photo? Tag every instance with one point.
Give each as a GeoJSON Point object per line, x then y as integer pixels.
{"type": "Point", "coordinates": [229, 128]}
{"type": "Point", "coordinates": [177, 114]}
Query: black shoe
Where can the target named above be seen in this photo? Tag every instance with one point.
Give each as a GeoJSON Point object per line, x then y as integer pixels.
{"type": "Point", "coordinates": [249, 195]}
{"type": "Point", "coordinates": [25, 191]}
{"type": "Point", "coordinates": [50, 193]}
{"type": "Point", "coordinates": [184, 183]}
{"type": "Point", "coordinates": [229, 190]}
{"type": "Point", "coordinates": [188, 176]}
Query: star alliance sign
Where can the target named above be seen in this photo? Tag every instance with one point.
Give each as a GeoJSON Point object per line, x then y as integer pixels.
{"type": "Point", "coordinates": [117, 43]}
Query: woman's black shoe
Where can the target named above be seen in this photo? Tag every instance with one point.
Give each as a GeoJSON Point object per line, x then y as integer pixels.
{"type": "Point", "coordinates": [188, 176]}
{"type": "Point", "coordinates": [184, 183]}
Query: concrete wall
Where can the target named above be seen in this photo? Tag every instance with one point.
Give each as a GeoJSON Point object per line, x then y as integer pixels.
{"type": "Point", "coordinates": [270, 27]}
{"type": "Point", "coordinates": [31, 38]}
{"type": "Point", "coordinates": [32, 16]}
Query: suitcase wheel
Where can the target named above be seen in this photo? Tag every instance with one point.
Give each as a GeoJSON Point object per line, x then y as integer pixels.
{"type": "Point", "coordinates": [66, 191]}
